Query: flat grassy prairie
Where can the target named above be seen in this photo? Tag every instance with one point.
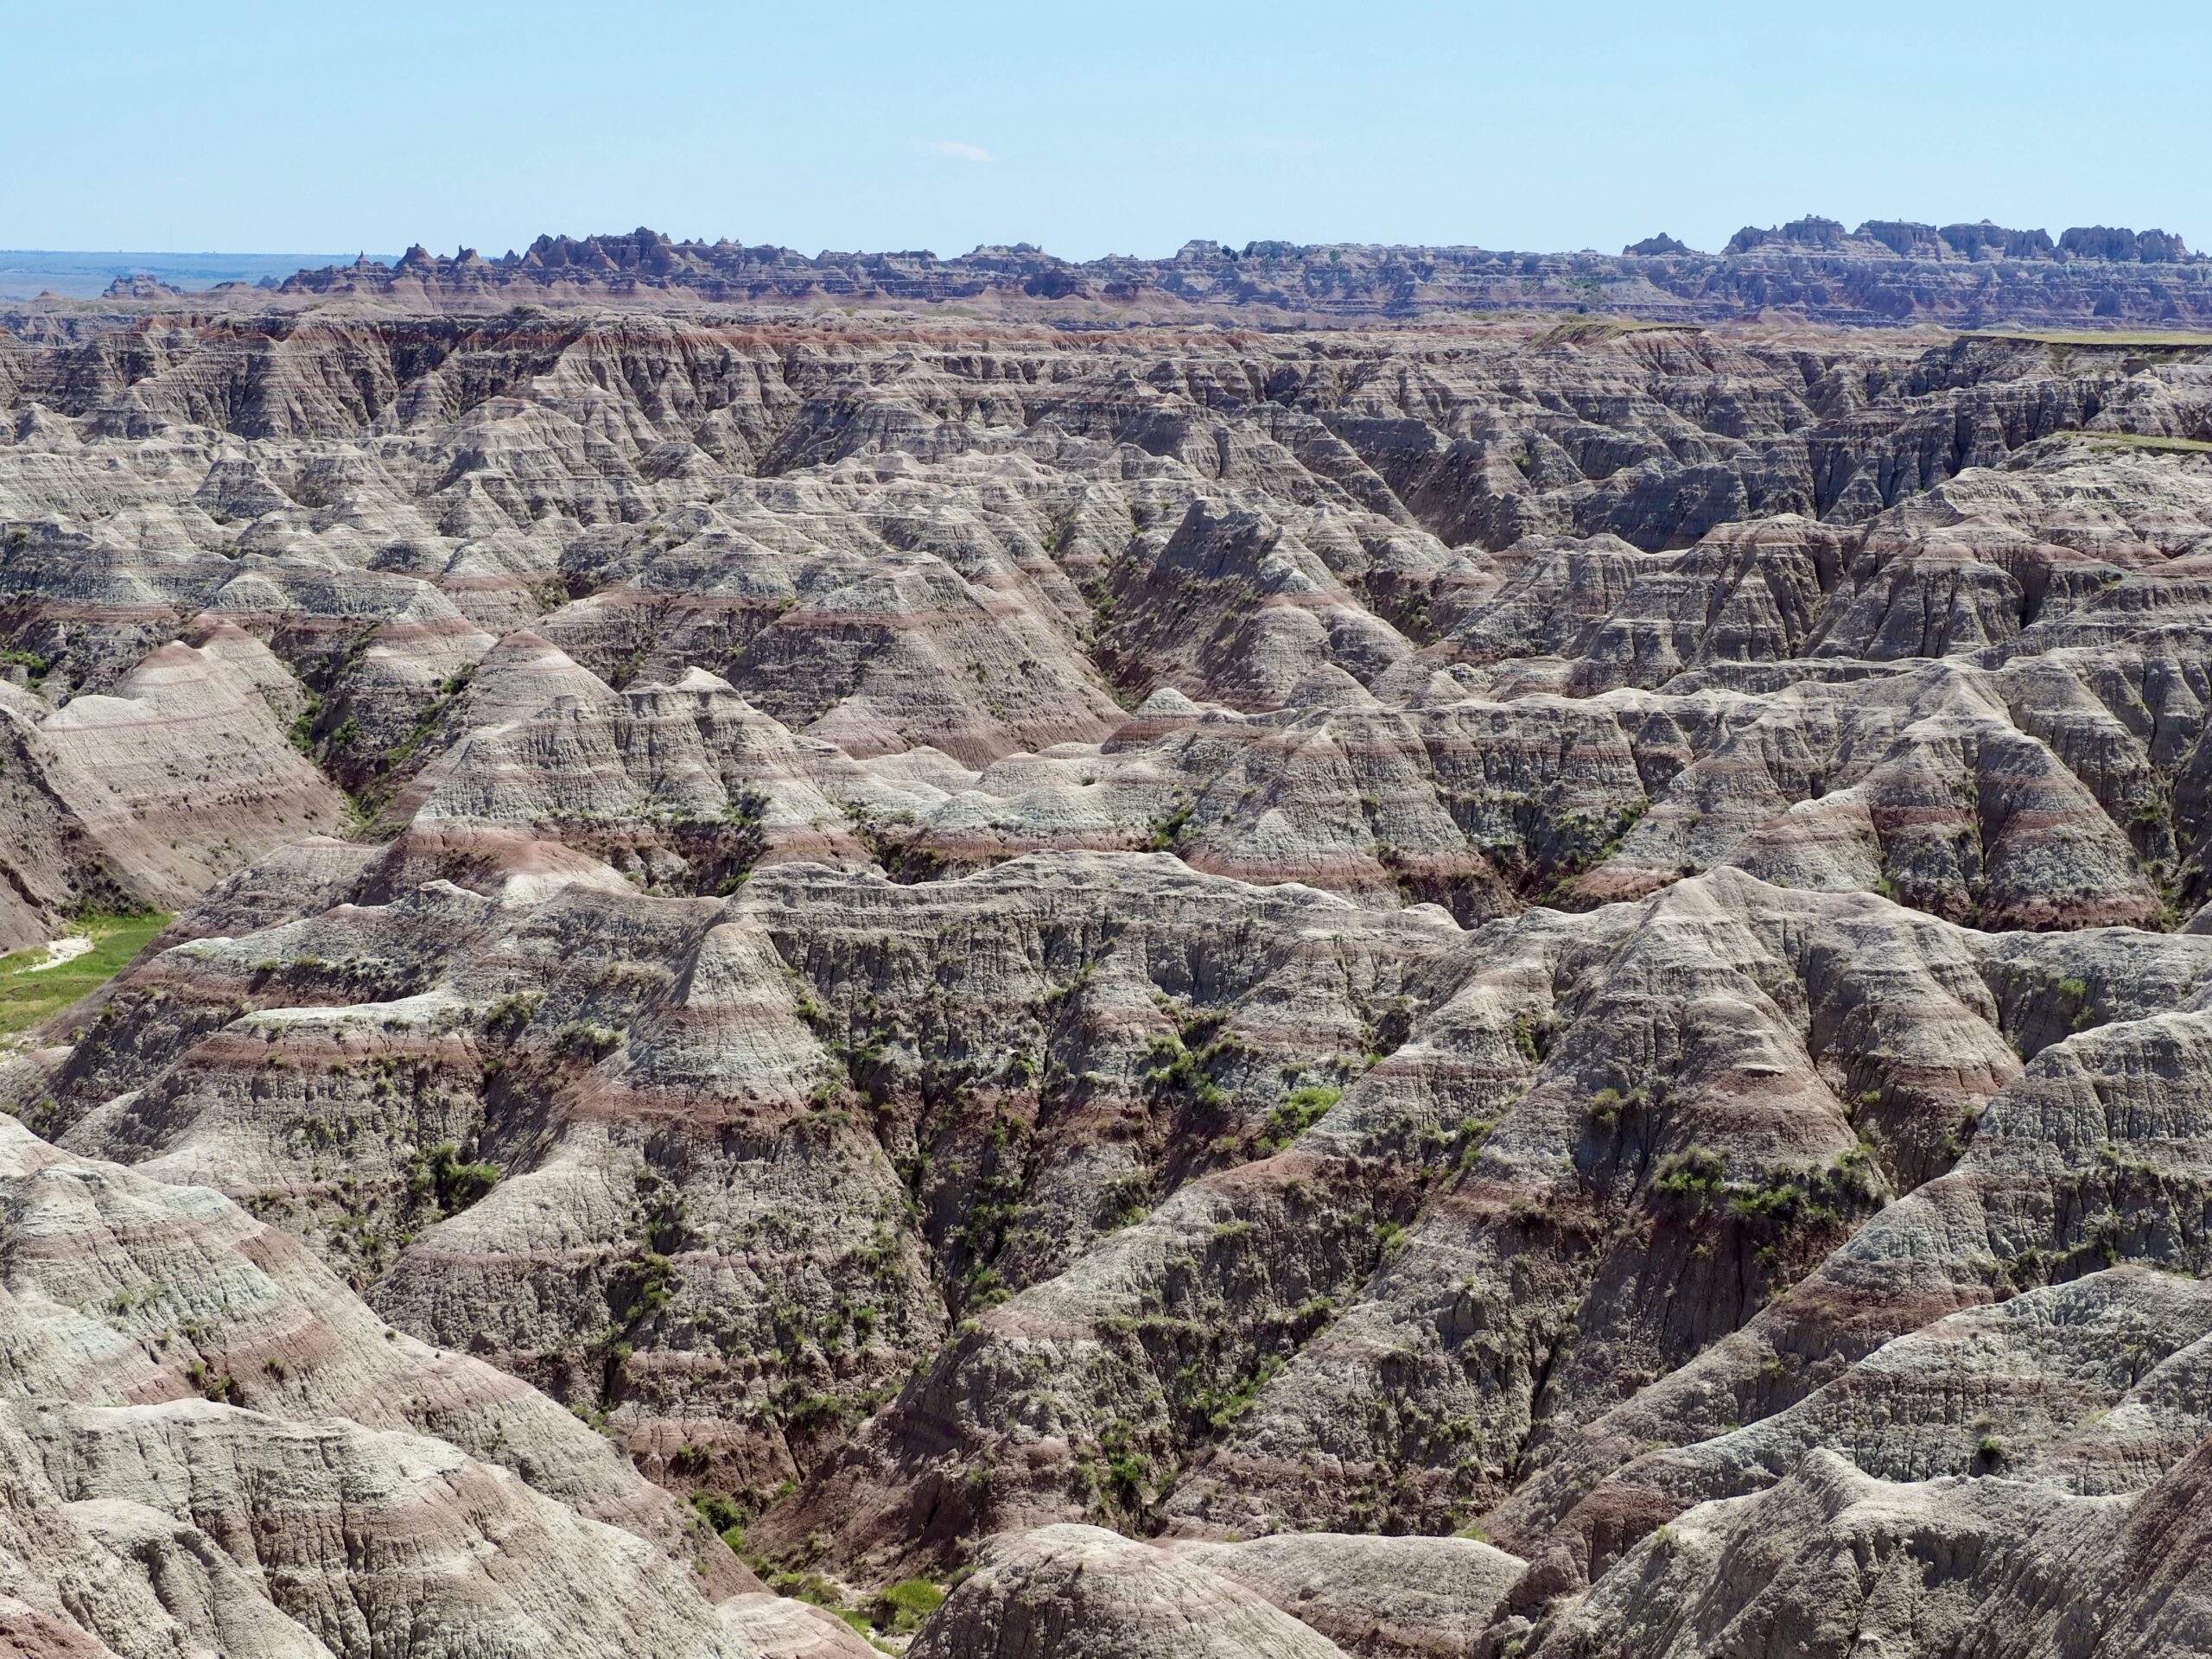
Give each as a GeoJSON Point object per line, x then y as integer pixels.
{"type": "Point", "coordinates": [26, 997]}
{"type": "Point", "coordinates": [2146, 441]}
{"type": "Point", "coordinates": [2131, 339]}
{"type": "Point", "coordinates": [1595, 330]}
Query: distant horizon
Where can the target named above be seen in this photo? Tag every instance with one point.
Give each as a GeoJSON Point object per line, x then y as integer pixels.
{"type": "Point", "coordinates": [85, 273]}
{"type": "Point", "coordinates": [482, 248]}
{"type": "Point", "coordinates": [179, 253]}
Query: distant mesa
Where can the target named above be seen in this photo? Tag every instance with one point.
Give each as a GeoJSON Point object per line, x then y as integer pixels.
{"type": "Point", "coordinates": [1886, 272]}
{"type": "Point", "coordinates": [2103, 242]}
{"type": "Point", "coordinates": [1986, 238]}
{"type": "Point", "coordinates": [1811, 231]}
{"type": "Point", "coordinates": [1910, 240]}
{"type": "Point", "coordinates": [139, 286]}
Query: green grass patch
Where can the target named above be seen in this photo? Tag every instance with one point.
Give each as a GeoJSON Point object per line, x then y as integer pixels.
{"type": "Point", "coordinates": [1592, 330]}
{"type": "Point", "coordinates": [2131, 339]}
{"type": "Point", "coordinates": [903, 1608]}
{"type": "Point", "coordinates": [26, 997]}
{"type": "Point", "coordinates": [1296, 1113]}
{"type": "Point", "coordinates": [2145, 441]}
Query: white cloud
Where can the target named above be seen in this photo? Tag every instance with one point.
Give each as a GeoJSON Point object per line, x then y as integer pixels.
{"type": "Point", "coordinates": [959, 151]}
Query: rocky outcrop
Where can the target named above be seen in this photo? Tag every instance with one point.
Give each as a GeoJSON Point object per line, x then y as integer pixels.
{"type": "Point", "coordinates": [1368, 1594]}
{"type": "Point", "coordinates": [1830, 1562]}
{"type": "Point", "coordinates": [1073, 1589]}
{"type": "Point", "coordinates": [1081, 1589]}
{"type": "Point", "coordinates": [433, 1549]}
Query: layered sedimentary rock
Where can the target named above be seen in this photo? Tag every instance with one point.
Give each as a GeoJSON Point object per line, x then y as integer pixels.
{"type": "Point", "coordinates": [1830, 1562]}
{"type": "Point", "coordinates": [143, 795]}
{"type": "Point", "coordinates": [211, 1447]}
{"type": "Point", "coordinates": [1165, 967]}
{"type": "Point", "coordinates": [1081, 1589]}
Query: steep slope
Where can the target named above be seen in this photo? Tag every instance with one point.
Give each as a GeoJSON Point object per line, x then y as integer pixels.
{"type": "Point", "coordinates": [210, 1444]}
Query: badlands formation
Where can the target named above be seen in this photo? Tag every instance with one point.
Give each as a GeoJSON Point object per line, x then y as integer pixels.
{"type": "Point", "coordinates": [1424, 991]}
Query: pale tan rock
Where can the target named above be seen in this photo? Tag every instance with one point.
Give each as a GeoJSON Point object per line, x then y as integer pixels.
{"type": "Point", "coordinates": [1077, 1591]}
{"type": "Point", "coordinates": [1368, 1594]}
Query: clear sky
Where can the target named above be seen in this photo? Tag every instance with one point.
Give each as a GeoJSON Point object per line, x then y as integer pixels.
{"type": "Point", "coordinates": [1122, 127]}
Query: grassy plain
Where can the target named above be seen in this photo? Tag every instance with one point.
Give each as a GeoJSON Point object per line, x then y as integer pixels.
{"type": "Point", "coordinates": [28, 996]}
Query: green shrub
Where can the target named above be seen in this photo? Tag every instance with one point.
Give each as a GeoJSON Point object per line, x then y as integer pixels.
{"type": "Point", "coordinates": [1694, 1173]}
{"type": "Point", "coordinates": [441, 1175]}
{"type": "Point", "coordinates": [584, 1039]}
{"type": "Point", "coordinates": [1297, 1112]}
{"type": "Point", "coordinates": [727, 1520]}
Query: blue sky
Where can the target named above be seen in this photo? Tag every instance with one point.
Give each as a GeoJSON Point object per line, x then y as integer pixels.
{"type": "Point", "coordinates": [1120, 128]}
